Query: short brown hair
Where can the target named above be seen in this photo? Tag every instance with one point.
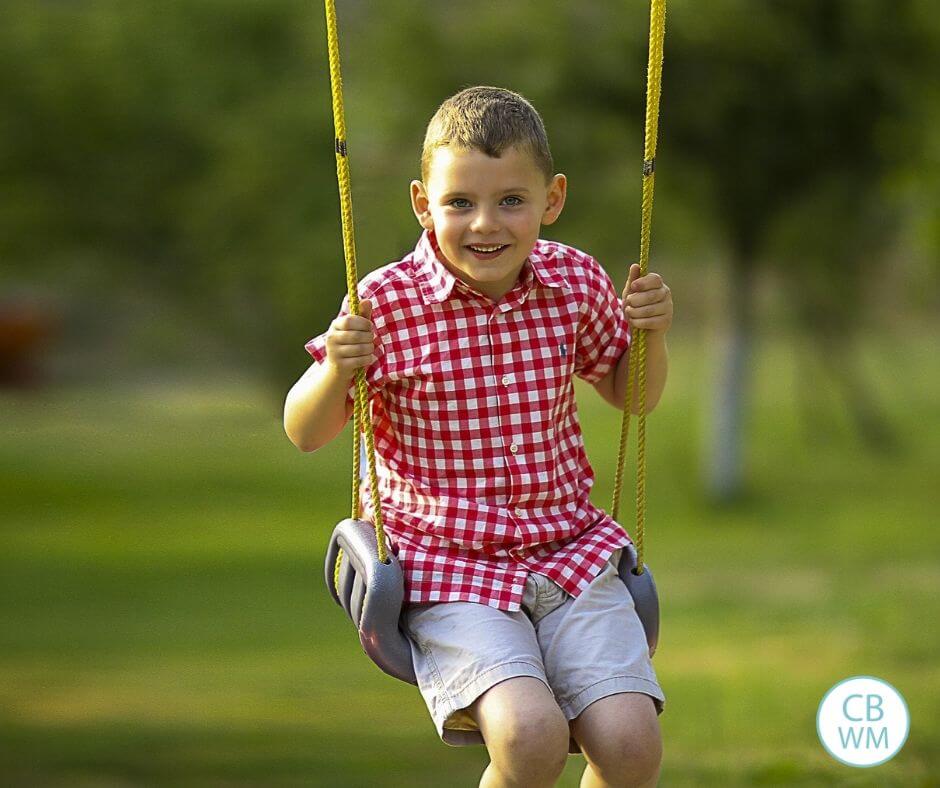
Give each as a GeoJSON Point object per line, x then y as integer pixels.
{"type": "Point", "coordinates": [490, 120]}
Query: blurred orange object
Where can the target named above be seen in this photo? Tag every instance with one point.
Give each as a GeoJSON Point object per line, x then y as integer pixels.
{"type": "Point", "coordinates": [24, 329]}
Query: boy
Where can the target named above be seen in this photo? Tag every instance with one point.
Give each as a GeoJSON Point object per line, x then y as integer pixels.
{"type": "Point", "coordinates": [522, 633]}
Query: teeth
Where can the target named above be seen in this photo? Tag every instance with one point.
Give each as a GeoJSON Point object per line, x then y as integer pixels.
{"type": "Point", "coordinates": [487, 248]}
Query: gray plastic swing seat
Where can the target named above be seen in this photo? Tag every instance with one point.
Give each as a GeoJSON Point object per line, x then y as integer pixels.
{"type": "Point", "coordinates": [643, 590]}
{"type": "Point", "coordinates": [372, 593]}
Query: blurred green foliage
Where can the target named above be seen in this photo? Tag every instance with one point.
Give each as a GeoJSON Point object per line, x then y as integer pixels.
{"type": "Point", "coordinates": [182, 151]}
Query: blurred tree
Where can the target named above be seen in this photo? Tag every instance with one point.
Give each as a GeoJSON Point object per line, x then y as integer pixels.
{"type": "Point", "coordinates": [797, 113]}
{"type": "Point", "coordinates": [168, 149]}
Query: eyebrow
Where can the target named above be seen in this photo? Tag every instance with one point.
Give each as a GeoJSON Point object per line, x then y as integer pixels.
{"type": "Point", "coordinates": [513, 190]}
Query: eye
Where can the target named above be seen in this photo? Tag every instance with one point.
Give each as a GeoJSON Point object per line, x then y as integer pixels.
{"type": "Point", "coordinates": [463, 203]}
{"type": "Point", "coordinates": [518, 200]}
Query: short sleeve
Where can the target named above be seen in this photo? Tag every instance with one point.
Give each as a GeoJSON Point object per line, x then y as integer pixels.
{"type": "Point", "coordinates": [375, 378]}
{"type": "Point", "coordinates": [603, 330]}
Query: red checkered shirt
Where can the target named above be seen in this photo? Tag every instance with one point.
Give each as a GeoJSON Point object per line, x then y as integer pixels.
{"type": "Point", "coordinates": [483, 475]}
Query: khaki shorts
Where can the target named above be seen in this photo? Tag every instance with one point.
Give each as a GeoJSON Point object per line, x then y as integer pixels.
{"type": "Point", "coordinates": [583, 649]}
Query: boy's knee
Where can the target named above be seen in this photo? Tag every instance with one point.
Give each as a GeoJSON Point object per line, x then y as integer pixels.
{"type": "Point", "coordinates": [531, 741]}
{"type": "Point", "coordinates": [630, 762]}
{"type": "Point", "coordinates": [644, 768]}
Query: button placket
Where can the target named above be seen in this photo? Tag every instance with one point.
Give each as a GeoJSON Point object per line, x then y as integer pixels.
{"type": "Point", "coordinates": [499, 333]}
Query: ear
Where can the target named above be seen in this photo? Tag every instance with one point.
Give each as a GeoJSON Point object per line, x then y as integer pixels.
{"type": "Point", "coordinates": [555, 197]}
{"type": "Point", "coordinates": [420, 204]}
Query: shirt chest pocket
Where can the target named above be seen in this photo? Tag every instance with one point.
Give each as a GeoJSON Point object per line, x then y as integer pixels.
{"type": "Point", "coordinates": [545, 385]}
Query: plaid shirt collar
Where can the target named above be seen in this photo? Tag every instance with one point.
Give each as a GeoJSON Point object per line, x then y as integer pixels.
{"type": "Point", "coordinates": [437, 282]}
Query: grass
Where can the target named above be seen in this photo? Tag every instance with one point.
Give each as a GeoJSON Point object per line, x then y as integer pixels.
{"type": "Point", "coordinates": [164, 619]}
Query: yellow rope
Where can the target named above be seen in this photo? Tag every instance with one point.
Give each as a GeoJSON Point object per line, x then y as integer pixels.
{"type": "Point", "coordinates": [636, 371]}
{"type": "Point", "coordinates": [361, 417]}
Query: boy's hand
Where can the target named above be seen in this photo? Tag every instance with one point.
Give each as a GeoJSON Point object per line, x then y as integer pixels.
{"type": "Point", "coordinates": [647, 301]}
{"type": "Point", "coordinates": [351, 341]}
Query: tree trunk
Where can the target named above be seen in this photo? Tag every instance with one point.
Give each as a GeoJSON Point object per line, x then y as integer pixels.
{"type": "Point", "coordinates": [724, 474]}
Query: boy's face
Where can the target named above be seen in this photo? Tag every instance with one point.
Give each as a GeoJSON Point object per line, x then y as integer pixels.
{"type": "Point", "coordinates": [472, 200]}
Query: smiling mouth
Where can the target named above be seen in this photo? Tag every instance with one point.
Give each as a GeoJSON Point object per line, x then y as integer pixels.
{"type": "Point", "coordinates": [487, 250]}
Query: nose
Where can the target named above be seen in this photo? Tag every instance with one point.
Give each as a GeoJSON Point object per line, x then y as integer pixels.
{"type": "Point", "coordinates": [485, 221]}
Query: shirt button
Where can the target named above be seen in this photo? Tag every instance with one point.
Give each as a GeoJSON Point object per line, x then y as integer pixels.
{"type": "Point", "coordinates": [519, 511]}
{"type": "Point", "coordinates": [513, 448]}
{"type": "Point", "coordinates": [506, 380]}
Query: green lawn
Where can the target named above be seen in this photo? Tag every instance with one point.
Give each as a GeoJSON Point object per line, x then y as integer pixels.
{"type": "Point", "coordinates": [163, 618]}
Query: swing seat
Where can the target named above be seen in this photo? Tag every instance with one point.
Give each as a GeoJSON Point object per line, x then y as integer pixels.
{"type": "Point", "coordinates": [643, 590]}
{"type": "Point", "coordinates": [371, 593]}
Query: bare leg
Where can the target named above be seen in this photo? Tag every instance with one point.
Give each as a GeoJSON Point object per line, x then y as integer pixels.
{"type": "Point", "coordinates": [590, 779]}
{"type": "Point", "coordinates": [620, 738]}
{"type": "Point", "coordinates": [526, 734]}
